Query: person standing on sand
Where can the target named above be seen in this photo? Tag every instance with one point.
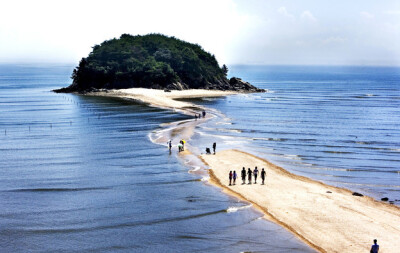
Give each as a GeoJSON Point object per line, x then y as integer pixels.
{"type": "Point", "coordinates": [249, 173]}
{"type": "Point", "coordinates": [374, 247]}
{"type": "Point", "coordinates": [230, 178]}
{"type": "Point", "coordinates": [243, 175]}
{"type": "Point", "coordinates": [262, 175]}
{"type": "Point", "coordinates": [234, 177]}
{"type": "Point", "coordinates": [255, 172]}
{"type": "Point", "coordinates": [214, 147]}
{"type": "Point", "coordinates": [204, 114]}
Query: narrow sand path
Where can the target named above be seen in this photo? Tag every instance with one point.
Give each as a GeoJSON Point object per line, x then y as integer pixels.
{"type": "Point", "coordinates": [161, 99]}
{"type": "Point", "coordinates": [330, 222]}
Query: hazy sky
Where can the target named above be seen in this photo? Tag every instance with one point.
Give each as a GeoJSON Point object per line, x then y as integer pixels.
{"type": "Point", "coordinates": [246, 32]}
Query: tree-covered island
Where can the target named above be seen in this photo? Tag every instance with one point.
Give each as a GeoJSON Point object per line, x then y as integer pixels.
{"type": "Point", "coordinates": [152, 61]}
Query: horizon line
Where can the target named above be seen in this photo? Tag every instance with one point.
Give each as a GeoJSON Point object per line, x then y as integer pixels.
{"type": "Point", "coordinates": [58, 64]}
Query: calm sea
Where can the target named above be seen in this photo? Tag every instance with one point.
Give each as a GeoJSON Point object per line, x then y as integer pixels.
{"type": "Point", "coordinates": [80, 174]}
{"type": "Point", "coordinates": [339, 125]}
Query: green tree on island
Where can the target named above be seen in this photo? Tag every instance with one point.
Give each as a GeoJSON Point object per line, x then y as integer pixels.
{"type": "Point", "coordinates": [225, 69]}
{"type": "Point", "coordinates": [151, 61]}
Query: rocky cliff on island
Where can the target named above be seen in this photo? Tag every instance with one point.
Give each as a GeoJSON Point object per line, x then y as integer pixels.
{"type": "Point", "coordinates": [152, 61]}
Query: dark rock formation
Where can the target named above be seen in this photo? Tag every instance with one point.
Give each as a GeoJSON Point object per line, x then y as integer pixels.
{"type": "Point", "coordinates": [176, 86]}
{"type": "Point", "coordinates": [357, 194]}
{"type": "Point", "coordinates": [385, 199]}
{"type": "Point", "coordinates": [239, 85]}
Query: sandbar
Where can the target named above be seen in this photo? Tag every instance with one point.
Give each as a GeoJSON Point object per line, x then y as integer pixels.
{"type": "Point", "coordinates": [330, 219]}
{"type": "Point", "coordinates": [162, 99]}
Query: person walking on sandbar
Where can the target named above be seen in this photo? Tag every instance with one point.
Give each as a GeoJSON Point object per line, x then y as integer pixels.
{"type": "Point", "coordinates": [249, 173]}
{"type": "Point", "coordinates": [243, 175]}
{"type": "Point", "coordinates": [374, 247]}
{"type": "Point", "coordinates": [169, 145]}
{"type": "Point", "coordinates": [230, 178]}
{"type": "Point", "coordinates": [234, 177]}
{"type": "Point", "coordinates": [183, 144]}
{"type": "Point", "coordinates": [214, 147]}
{"type": "Point", "coordinates": [255, 172]}
{"type": "Point", "coordinates": [262, 175]}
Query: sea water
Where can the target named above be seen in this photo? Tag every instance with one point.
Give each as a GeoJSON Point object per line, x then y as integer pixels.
{"type": "Point", "coordinates": [80, 174]}
{"type": "Point", "coordinates": [339, 125]}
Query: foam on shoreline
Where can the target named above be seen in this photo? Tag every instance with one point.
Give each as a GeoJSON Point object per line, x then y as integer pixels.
{"type": "Point", "coordinates": [329, 219]}
{"type": "Point", "coordinates": [328, 222]}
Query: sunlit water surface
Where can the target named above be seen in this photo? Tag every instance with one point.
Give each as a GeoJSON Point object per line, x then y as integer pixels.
{"type": "Point", "coordinates": [79, 174]}
{"type": "Point", "coordinates": [339, 125]}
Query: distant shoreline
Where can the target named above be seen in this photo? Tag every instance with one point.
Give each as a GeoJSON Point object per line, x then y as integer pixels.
{"type": "Point", "coordinates": [325, 217]}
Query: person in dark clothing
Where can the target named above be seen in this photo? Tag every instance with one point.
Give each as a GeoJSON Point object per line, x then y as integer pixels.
{"type": "Point", "coordinates": [255, 172]}
{"type": "Point", "coordinates": [234, 177]}
{"type": "Point", "coordinates": [195, 116]}
{"type": "Point", "coordinates": [230, 178]}
{"type": "Point", "coordinates": [169, 145]}
{"type": "Point", "coordinates": [249, 173]}
{"type": "Point", "coordinates": [243, 175]}
{"type": "Point", "coordinates": [214, 147]}
{"type": "Point", "coordinates": [204, 114]}
{"type": "Point", "coordinates": [262, 175]}
{"type": "Point", "coordinates": [374, 247]}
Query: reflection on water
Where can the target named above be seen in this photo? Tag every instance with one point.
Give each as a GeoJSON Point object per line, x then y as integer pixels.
{"type": "Point", "coordinates": [80, 174]}
{"type": "Point", "coordinates": [334, 124]}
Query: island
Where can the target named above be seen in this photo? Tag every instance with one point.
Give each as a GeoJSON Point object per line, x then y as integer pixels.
{"type": "Point", "coordinates": [162, 72]}
{"type": "Point", "coordinates": [152, 61]}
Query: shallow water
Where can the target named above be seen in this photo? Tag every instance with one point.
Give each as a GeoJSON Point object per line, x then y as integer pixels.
{"type": "Point", "coordinates": [339, 125]}
{"type": "Point", "coordinates": [80, 174]}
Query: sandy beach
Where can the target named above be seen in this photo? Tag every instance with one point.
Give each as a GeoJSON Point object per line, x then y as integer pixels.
{"type": "Point", "coordinates": [328, 218]}
{"type": "Point", "coordinates": [162, 99]}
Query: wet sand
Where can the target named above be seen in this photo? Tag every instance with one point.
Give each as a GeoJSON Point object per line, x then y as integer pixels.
{"type": "Point", "coordinates": [328, 218]}
{"type": "Point", "coordinates": [162, 99]}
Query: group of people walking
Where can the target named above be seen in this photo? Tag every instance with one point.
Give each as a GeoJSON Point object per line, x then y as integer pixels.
{"type": "Point", "coordinates": [181, 145]}
{"type": "Point", "coordinates": [203, 113]}
{"type": "Point", "coordinates": [249, 173]}
{"type": "Point", "coordinates": [214, 146]}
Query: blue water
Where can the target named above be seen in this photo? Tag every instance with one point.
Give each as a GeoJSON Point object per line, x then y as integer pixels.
{"type": "Point", "coordinates": [339, 125]}
{"type": "Point", "coordinates": [80, 174]}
